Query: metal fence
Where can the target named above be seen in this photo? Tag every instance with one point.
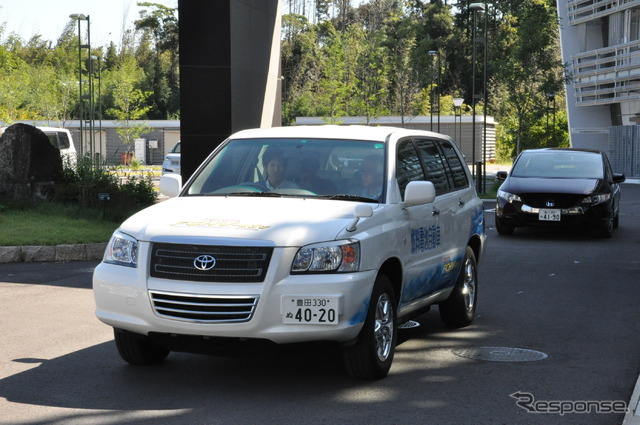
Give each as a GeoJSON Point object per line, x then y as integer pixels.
{"type": "Point", "coordinates": [624, 149]}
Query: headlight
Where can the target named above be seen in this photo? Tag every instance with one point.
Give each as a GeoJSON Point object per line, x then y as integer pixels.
{"type": "Point", "coordinates": [340, 257]}
{"type": "Point", "coordinates": [509, 197]}
{"type": "Point", "coordinates": [596, 199]}
{"type": "Point", "coordinates": [122, 250]}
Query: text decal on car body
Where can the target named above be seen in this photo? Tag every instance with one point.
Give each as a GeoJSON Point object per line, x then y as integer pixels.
{"type": "Point", "coordinates": [220, 224]}
{"type": "Point", "coordinates": [425, 238]}
{"type": "Point", "coordinates": [449, 265]}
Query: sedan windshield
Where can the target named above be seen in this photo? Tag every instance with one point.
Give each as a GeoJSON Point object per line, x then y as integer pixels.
{"type": "Point", "coordinates": [559, 165]}
{"type": "Point", "coordinates": [338, 169]}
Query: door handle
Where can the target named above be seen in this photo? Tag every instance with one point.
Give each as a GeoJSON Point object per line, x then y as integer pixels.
{"type": "Point", "coordinates": [435, 212]}
{"type": "Point", "coordinates": [460, 203]}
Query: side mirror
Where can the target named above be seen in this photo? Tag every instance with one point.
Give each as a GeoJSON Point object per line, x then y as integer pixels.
{"type": "Point", "coordinates": [618, 178]}
{"type": "Point", "coordinates": [501, 175]}
{"type": "Point", "coordinates": [419, 192]}
{"type": "Point", "coordinates": [170, 184]}
{"type": "Point", "coordinates": [362, 211]}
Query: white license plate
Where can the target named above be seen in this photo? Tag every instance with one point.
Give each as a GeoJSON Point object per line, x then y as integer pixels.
{"type": "Point", "coordinates": [549, 215]}
{"type": "Point", "coordinates": [310, 310]}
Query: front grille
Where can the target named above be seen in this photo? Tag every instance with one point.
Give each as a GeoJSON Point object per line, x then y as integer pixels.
{"type": "Point", "coordinates": [229, 264]}
{"type": "Point", "coordinates": [204, 308]}
{"type": "Point", "coordinates": [540, 200]}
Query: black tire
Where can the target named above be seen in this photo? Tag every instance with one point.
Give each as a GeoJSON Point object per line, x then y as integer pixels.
{"type": "Point", "coordinates": [459, 309]}
{"type": "Point", "coordinates": [371, 356]}
{"type": "Point", "coordinates": [616, 220]}
{"type": "Point", "coordinates": [137, 349]}
{"type": "Point", "coordinates": [504, 228]}
{"type": "Point", "coordinates": [606, 228]}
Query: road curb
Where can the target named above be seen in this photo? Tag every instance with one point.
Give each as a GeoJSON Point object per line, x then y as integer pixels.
{"type": "Point", "coordinates": [60, 253]}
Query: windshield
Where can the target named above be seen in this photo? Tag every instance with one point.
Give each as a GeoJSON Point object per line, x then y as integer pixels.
{"type": "Point", "coordinates": [339, 169]}
{"type": "Point", "coordinates": [580, 165]}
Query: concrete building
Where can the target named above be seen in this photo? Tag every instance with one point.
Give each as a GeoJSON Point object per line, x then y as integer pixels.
{"type": "Point", "coordinates": [600, 41]}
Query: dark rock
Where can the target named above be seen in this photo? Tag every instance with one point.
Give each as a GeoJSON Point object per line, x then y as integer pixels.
{"type": "Point", "coordinates": [29, 164]}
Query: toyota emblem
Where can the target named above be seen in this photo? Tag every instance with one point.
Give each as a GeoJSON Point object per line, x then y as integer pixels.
{"type": "Point", "coordinates": [204, 262]}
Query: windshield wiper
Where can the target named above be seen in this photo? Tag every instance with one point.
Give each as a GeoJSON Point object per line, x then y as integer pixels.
{"type": "Point", "coordinates": [348, 198]}
{"type": "Point", "coordinates": [254, 194]}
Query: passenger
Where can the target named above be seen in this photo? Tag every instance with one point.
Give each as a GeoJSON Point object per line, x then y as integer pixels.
{"type": "Point", "coordinates": [275, 167]}
{"type": "Point", "coordinates": [371, 178]}
{"type": "Point", "coordinates": [310, 180]}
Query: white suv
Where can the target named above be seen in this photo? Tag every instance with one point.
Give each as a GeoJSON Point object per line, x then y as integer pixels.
{"type": "Point", "coordinates": [298, 234]}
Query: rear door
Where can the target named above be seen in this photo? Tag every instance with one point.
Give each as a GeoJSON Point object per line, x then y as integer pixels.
{"type": "Point", "coordinates": [445, 207]}
{"type": "Point", "coordinates": [424, 257]}
{"type": "Point", "coordinates": [466, 209]}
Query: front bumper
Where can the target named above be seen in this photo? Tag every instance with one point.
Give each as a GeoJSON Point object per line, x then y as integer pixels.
{"type": "Point", "coordinates": [521, 215]}
{"type": "Point", "coordinates": [123, 301]}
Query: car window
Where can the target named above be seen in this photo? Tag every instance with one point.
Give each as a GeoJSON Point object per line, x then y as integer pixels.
{"type": "Point", "coordinates": [607, 166]}
{"type": "Point", "coordinates": [557, 164]}
{"type": "Point", "coordinates": [53, 139]}
{"type": "Point", "coordinates": [408, 166]}
{"type": "Point", "coordinates": [59, 139]}
{"type": "Point", "coordinates": [456, 166]}
{"type": "Point", "coordinates": [434, 164]}
{"type": "Point", "coordinates": [305, 167]}
{"type": "Point", "coordinates": [63, 140]}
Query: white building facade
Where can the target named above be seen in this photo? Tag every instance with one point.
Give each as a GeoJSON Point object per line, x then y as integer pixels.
{"type": "Point", "coordinates": [600, 41]}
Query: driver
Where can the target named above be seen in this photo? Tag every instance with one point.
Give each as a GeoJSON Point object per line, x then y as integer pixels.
{"type": "Point", "coordinates": [371, 178]}
{"type": "Point", "coordinates": [275, 167]}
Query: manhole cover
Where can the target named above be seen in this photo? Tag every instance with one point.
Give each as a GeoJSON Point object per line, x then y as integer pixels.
{"type": "Point", "coordinates": [409, 324]}
{"type": "Point", "coordinates": [501, 354]}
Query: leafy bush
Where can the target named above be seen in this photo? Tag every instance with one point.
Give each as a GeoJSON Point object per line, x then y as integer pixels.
{"type": "Point", "coordinates": [95, 188]}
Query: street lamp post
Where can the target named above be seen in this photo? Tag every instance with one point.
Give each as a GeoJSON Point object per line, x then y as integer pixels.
{"type": "Point", "coordinates": [100, 153]}
{"type": "Point", "coordinates": [475, 7]}
{"type": "Point", "coordinates": [485, 92]}
{"type": "Point", "coordinates": [551, 105]}
{"type": "Point", "coordinates": [80, 17]}
{"type": "Point", "coordinates": [457, 111]}
{"type": "Point", "coordinates": [435, 62]}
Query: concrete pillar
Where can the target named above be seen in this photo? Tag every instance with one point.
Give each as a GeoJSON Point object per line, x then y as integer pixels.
{"type": "Point", "coordinates": [229, 72]}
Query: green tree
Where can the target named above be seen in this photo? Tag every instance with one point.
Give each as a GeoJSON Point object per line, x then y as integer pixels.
{"type": "Point", "coordinates": [333, 86]}
{"type": "Point", "coordinates": [129, 101]}
{"type": "Point", "coordinates": [159, 24]}
{"type": "Point", "coordinates": [371, 87]}
{"type": "Point", "coordinates": [528, 68]}
{"type": "Point", "coordinates": [300, 59]}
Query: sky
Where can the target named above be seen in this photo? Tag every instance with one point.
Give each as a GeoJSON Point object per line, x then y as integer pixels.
{"type": "Point", "coordinates": [49, 17]}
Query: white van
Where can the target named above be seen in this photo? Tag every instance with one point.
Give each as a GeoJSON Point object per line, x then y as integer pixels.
{"type": "Point", "coordinates": [297, 234]}
{"type": "Point", "coordinates": [61, 139]}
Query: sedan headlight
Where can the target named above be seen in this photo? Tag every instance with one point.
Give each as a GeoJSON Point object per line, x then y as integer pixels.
{"type": "Point", "coordinates": [509, 197]}
{"type": "Point", "coordinates": [339, 257]}
{"type": "Point", "coordinates": [122, 250]}
{"type": "Point", "coordinates": [596, 199]}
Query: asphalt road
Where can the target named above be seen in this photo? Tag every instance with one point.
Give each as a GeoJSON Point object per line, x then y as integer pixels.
{"type": "Point", "coordinates": [573, 298]}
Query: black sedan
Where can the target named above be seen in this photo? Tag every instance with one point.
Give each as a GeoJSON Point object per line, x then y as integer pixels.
{"type": "Point", "coordinates": [559, 187]}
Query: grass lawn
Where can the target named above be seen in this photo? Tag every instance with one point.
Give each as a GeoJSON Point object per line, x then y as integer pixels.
{"type": "Point", "coordinates": [52, 224]}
